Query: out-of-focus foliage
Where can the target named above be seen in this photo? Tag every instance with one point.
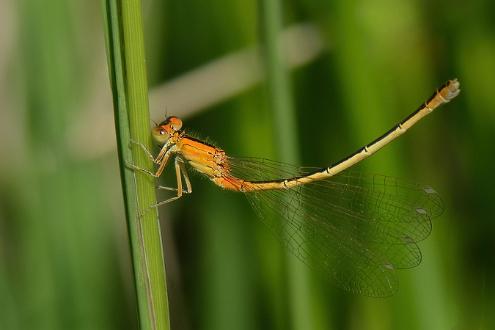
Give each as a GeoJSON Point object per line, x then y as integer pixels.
{"type": "Point", "coordinates": [64, 255]}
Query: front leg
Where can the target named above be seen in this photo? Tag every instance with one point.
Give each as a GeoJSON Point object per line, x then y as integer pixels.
{"type": "Point", "coordinates": [160, 155]}
{"type": "Point", "coordinates": [163, 162]}
{"type": "Point", "coordinates": [145, 150]}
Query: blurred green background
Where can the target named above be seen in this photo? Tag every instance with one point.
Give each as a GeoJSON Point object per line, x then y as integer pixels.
{"type": "Point", "coordinates": [356, 68]}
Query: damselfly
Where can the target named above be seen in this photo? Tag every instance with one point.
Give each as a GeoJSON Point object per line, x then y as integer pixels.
{"type": "Point", "coordinates": [357, 228]}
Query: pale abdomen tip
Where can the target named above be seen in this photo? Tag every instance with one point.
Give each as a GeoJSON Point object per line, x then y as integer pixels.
{"type": "Point", "coordinates": [451, 89]}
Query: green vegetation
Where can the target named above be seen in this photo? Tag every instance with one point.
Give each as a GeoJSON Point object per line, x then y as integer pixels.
{"type": "Point", "coordinates": [130, 88]}
{"type": "Point", "coordinates": [66, 259]}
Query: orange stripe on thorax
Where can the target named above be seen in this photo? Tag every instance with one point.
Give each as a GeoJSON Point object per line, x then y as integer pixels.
{"type": "Point", "coordinates": [213, 162]}
{"type": "Point", "coordinates": [204, 158]}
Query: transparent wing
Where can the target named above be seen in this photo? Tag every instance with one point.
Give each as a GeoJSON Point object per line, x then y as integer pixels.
{"type": "Point", "coordinates": [355, 227]}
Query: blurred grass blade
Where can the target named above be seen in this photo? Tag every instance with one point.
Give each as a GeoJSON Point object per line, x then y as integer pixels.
{"type": "Point", "coordinates": [232, 74]}
{"type": "Point", "coordinates": [286, 136]}
{"type": "Point", "coordinates": [125, 48]}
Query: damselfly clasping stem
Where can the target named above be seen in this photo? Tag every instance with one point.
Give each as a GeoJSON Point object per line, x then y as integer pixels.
{"type": "Point", "coordinates": [356, 228]}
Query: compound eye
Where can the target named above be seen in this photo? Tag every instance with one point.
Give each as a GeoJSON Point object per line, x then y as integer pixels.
{"type": "Point", "coordinates": [175, 123]}
{"type": "Point", "coordinates": [162, 132]}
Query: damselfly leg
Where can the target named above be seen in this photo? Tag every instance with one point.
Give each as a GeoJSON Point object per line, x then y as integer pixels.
{"type": "Point", "coordinates": [180, 172]}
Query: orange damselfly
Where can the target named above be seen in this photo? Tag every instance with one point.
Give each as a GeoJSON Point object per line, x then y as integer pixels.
{"type": "Point", "coordinates": [356, 228]}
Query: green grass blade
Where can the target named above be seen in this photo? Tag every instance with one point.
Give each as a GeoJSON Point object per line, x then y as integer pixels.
{"type": "Point", "coordinates": [130, 90]}
{"type": "Point", "coordinates": [278, 84]}
{"type": "Point", "coordinates": [286, 137]}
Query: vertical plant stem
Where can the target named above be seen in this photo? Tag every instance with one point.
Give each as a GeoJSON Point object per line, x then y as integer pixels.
{"type": "Point", "coordinates": [130, 90]}
{"type": "Point", "coordinates": [279, 88]}
{"type": "Point", "coordinates": [286, 138]}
